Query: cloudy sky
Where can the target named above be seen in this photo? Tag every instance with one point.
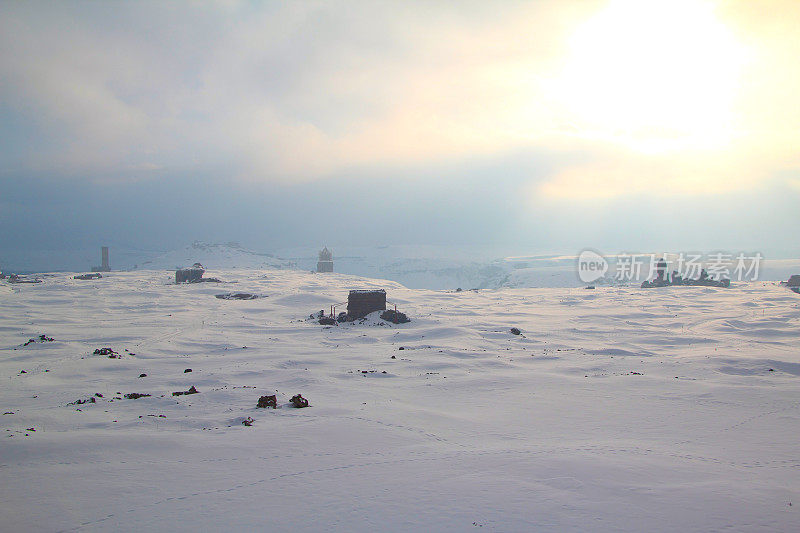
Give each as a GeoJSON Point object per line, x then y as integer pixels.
{"type": "Point", "coordinates": [546, 125]}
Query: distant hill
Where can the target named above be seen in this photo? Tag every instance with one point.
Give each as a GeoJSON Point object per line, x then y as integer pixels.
{"type": "Point", "coordinates": [223, 256]}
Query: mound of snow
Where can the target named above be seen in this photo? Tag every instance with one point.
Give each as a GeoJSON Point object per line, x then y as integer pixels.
{"type": "Point", "coordinates": [225, 256]}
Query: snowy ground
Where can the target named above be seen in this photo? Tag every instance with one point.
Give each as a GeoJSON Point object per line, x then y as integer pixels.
{"type": "Point", "coordinates": [617, 409]}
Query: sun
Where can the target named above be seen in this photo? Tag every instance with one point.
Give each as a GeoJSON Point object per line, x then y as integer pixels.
{"type": "Point", "coordinates": [653, 76]}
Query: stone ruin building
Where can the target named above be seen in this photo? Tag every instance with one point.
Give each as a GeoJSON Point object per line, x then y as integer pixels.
{"type": "Point", "coordinates": [360, 303]}
{"type": "Point", "coordinates": [325, 263]}
{"type": "Point", "coordinates": [104, 265]}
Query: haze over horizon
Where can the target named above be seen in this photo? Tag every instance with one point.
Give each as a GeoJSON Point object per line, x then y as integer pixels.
{"type": "Point", "coordinates": [547, 126]}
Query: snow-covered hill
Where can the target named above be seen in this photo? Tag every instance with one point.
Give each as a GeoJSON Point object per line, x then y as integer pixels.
{"type": "Point", "coordinates": [468, 267]}
{"type": "Point", "coordinates": [442, 267]}
{"type": "Point", "coordinates": [229, 255]}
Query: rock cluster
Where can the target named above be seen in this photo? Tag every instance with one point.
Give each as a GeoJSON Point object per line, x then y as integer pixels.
{"type": "Point", "coordinates": [136, 395]}
{"type": "Point", "coordinates": [109, 352]}
{"type": "Point", "coordinates": [396, 317]}
{"type": "Point", "coordinates": [268, 401]}
{"type": "Point", "coordinates": [237, 296]}
{"type": "Point", "coordinates": [40, 338]}
{"type": "Point", "coordinates": [298, 401]}
{"type": "Point", "coordinates": [94, 275]}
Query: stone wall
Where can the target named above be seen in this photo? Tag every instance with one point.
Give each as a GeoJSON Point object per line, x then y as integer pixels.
{"type": "Point", "coordinates": [360, 303]}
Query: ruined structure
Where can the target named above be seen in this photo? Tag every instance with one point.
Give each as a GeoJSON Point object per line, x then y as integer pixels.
{"type": "Point", "coordinates": [95, 275]}
{"type": "Point", "coordinates": [325, 263]}
{"type": "Point", "coordinates": [794, 281]}
{"type": "Point", "coordinates": [703, 281]}
{"type": "Point", "coordinates": [360, 303]}
{"type": "Point", "coordinates": [190, 275]}
{"type": "Point", "coordinates": [104, 264]}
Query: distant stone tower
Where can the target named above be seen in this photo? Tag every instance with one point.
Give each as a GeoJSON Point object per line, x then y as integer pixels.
{"type": "Point", "coordinates": [325, 263]}
{"type": "Point", "coordinates": [104, 266]}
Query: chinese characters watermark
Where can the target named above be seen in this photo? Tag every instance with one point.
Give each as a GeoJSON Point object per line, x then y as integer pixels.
{"type": "Point", "coordinates": [666, 268]}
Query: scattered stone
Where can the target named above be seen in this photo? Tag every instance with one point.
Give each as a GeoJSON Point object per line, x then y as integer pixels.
{"type": "Point", "coordinates": [30, 429]}
{"type": "Point", "coordinates": [248, 421]}
{"type": "Point", "coordinates": [191, 390]}
{"type": "Point", "coordinates": [268, 401]}
{"type": "Point", "coordinates": [327, 321]}
{"type": "Point", "coordinates": [22, 372]}
{"type": "Point", "coordinates": [107, 351]}
{"type": "Point", "coordinates": [82, 401]}
{"type": "Point", "coordinates": [396, 317]}
{"type": "Point", "coordinates": [298, 401]}
{"type": "Point", "coordinates": [187, 370]}
{"type": "Point", "coordinates": [98, 394]}
{"type": "Point", "coordinates": [237, 296]}
{"type": "Point", "coordinates": [40, 338]}
{"type": "Point", "coordinates": [136, 395]}
{"type": "Point", "coordinates": [142, 375]}
{"type": "Point", "coordinates": [393, 357]}
{"type": "Point", "coordinates": [16, 278]}
{"type": "Point", "coordinates": [9, 413]}
{"type": "Point", "coordinates": [515, 331]}
{"type": "Point", "coordinates": [402, 348]}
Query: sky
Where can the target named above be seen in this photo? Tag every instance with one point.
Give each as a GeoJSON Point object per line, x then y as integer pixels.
{"type": "Point", "coordinates": [545, 126]}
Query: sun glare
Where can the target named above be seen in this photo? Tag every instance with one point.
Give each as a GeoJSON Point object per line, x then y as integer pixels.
{"type": "Point", "coordinates": [653, 76]}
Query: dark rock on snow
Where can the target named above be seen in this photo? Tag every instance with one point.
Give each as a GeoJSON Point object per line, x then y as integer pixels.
{"type": "Point", "coordinates": [237, 296]}
{"type": "Point", "coordinates": [395, 317]}
{"type": "Point", "coordinates": [40, 338]}
{"type": "Point", "coordinates": [136, 395]}
{"type": "Point", "coordinates": [298, 401]}
{"type": "Point", "coordinates": [268, 401]}
{"type": "Point", "coordinates": [95, 275]}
